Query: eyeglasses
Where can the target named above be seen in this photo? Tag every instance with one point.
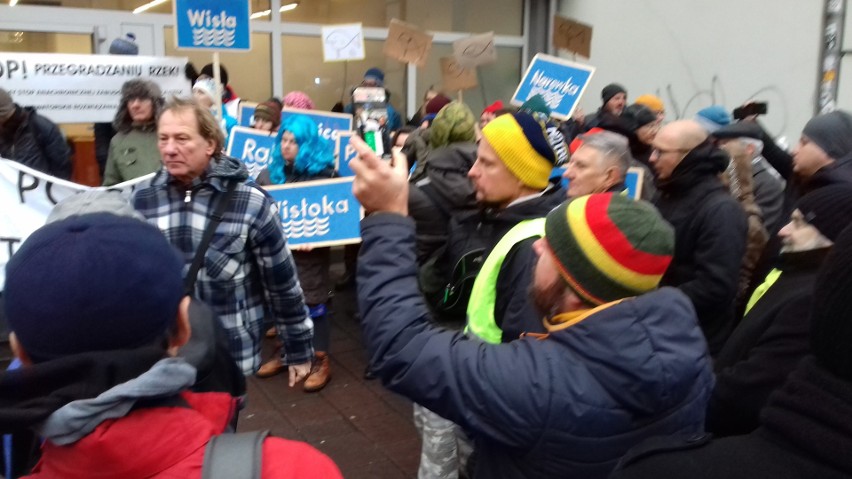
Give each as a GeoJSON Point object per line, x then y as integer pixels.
{"type": "Point", "coordinates": [661, 151]}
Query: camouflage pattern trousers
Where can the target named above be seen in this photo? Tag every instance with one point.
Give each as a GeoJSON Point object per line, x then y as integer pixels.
{"type": "Point", "coordinates": [446, 448]}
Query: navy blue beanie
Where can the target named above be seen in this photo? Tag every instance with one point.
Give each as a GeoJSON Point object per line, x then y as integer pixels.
{"type": "Point", "coordinates": [376, 75]}
{"type": "Point", "coordinates": [94, 282]}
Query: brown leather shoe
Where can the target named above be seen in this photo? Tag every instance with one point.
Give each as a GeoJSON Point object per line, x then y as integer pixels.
{"type": "Point", "coordinates": [271, 368]}
{"type": "Point", "coordinates": [320, 373]}
{"type": "Point", "coordinates": [271, 332]}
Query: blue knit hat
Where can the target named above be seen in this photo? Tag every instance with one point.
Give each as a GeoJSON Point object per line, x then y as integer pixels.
{"type": "Point", "coordinates": [713, 117]}
{"type": "Point", "coordinates": [125, 45]}
{"type": "Point", "coordinates": [94, 282]}
{"type": "Point", "coordinates": [376, 75]}
{"type": "Point", "coordinates": [521, 143]}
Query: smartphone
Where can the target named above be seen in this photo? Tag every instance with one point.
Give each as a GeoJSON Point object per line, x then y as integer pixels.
{"type": "Point", "coordinates": [371, 118]}
{"type": "Point", "coordinates": [758, 108]}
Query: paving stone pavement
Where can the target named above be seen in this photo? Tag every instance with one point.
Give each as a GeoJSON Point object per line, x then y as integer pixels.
{"type": "Point", "coordinates": [365, 429]}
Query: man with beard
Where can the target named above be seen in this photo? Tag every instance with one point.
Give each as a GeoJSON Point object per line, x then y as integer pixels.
{"type": "Point", "coordinates": [611, 370]}
{"type": "Point", "coordinates": [773, 335]}
{"type": "Point", "coordinates": [710, 225]}
{"type": "Point", "coordinates": [484, 271]}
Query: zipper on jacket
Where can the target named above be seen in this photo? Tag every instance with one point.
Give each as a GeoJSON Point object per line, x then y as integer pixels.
{"type": "Point", "coordinates": [188, 196]}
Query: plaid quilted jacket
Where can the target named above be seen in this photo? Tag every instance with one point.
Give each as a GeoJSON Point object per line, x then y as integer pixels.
{"type": "Point", "coordinates": [247, 272]}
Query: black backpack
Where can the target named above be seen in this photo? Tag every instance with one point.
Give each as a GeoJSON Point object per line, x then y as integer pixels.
{"type": "Point", "coordinates": [234, 456]}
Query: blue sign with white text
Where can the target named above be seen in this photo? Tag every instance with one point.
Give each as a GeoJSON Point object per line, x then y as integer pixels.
{"type": "Point", "coordinates": [561, 83]}
{"type": "Point", "coordinates": [319, 213]}
{"type": "Point", "coordinates": [328, 123]}
{"type": "Point", "coordinates": [252, 147]}
{"type": "Point", "coordinates": [213, 24]}
{"type": "Point", "coordinates": [345, 154]}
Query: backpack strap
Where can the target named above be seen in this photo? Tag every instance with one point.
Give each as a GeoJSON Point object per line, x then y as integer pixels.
{"type": "Point", "coordinates": [215, 218]}
{"type": "Point", "coordinates": [234, 456]}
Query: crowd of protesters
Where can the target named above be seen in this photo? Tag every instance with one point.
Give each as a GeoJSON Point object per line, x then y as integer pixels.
{"type": "Point", "coordinates": [546, 319]}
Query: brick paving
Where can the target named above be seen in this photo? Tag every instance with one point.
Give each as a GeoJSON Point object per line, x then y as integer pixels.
{"type": "Point", "coordinates": [364, 428]}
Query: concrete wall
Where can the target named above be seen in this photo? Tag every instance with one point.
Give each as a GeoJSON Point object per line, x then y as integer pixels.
{"type": "Point", "coordinates": [693, 53]}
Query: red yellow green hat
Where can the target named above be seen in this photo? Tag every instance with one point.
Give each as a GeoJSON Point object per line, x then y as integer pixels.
{"type": "Point", "coordinates": [608, 246]}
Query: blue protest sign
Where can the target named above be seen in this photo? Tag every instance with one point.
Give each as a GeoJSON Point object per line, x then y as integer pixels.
{"type": "Point", "coordinates": [328, 123]}
{"type": "Point", "coordinates": [633, 180]}
{"type": "Point", "coordinates": [561, 83]}
{"type": "Point", "coordinates": [252, 147]}
{"type": "Point", "coordinates": [212, 24]}
{"type": "Point", "coordinates": [344, 154]}
{"type": "Point", "coordinates": [319, 213]}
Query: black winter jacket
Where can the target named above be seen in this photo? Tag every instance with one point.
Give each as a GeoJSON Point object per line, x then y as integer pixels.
{"type": "Point", "coordinates": [35, 141]}
{"type": "Point", "coordinates": [765, 347]}
{"type": "Point", "coordinates": [805, 433]}
{"type": "Point", "coordinates": [513, 311]}
{"type": "Point", "coordinates": [710, 240]}
{"type": "Point", "coordinates": [446, 190]}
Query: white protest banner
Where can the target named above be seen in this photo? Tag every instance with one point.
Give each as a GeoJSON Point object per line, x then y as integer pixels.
{"type": "Point", "coordinates": [27, 196]}
{"type": "Point", "coordinates": [252, 147]}
{"type": "Point", "coordinates": [84, 88]}
{"type": "Point", "coordinates": [343, 42]}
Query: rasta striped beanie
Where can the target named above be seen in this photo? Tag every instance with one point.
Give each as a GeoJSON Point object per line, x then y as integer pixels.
{"type": "Point", "coordinates": [609, 247]}
{"type": "Point", "coordinates": [521, 143]}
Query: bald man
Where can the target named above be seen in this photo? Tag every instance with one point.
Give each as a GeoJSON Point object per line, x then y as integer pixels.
{"type": "Point", "coordinates": [710, 225]}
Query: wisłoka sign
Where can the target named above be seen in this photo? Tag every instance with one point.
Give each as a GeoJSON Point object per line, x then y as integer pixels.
{"type": "Point", "coordinates": [319, 213]}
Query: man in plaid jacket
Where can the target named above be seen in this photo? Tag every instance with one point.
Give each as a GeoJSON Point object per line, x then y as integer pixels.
{"type": "Point", "coordinates": [247, 270]}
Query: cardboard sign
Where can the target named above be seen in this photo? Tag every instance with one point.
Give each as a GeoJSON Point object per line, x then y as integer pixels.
{"type": "Point", "coordinates": [319, 213]}
{"type": "Point", "coordinates": [343, 42]}
{"type": "Point", "coordinates": [328, 123]}
{"type": "Point", "coordinates": [632, 181]}
{"type": "Point", "coordinates": [475, 51]}
{"type": "Point", "coordinates": [28, 196]}
{"type": "Point", "coordinates": [252, 147]}
{"type": "Point", "coordinates": [454, 77]}
{"type": "Point", "coordinates": [407, 43]}
{"type": "Point", "coordinates": [212, 24]}
{"type": "Point", "coordinates": [572, 36]}
{"type": "Point", "coordinates": [84, 88]}
{"type": "Point", "coordinates": [561, 83]}
{"type": "Point", "coordinates": [344, 154]}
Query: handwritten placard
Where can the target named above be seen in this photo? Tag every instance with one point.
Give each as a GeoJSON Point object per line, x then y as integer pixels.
{"type": "Point", "coordinates": [407, 43]}
{"type": "Point", "coordinates": [475, 51]}
{"type": "Point", "coordinates": [572, 35]}
{"type": "Point", "coordinates": [456, 78]}
{"type": "Point", "coordinates": [343, 42]}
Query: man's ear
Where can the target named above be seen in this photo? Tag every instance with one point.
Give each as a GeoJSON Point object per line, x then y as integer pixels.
{"type": "Point", "coordinates": [182, 331]}
{"type": "Point", "coordinates": [572, 302]}
{"type": "Point", "coordinates": [18, 350]}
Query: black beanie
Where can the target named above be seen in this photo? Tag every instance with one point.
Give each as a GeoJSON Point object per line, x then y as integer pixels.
{"type": "Point", "coordinates": [831, 317]}
{"type": "Point", "coordinates": [223, 74]}
{"type": "Point", "coordinates": [832, 132]}
{"type": "Point", "coordinates": [638, 116]}
{"type": "Point", "coordinates": [610, 91]}
{"type": "Point", "coordinates": [828, 209]}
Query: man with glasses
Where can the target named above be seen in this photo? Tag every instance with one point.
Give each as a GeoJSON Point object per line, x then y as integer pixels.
{"type": "Point", "coordinates": [710, 225]}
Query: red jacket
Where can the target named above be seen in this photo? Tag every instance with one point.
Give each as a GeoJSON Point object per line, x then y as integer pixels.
{"type": "Point", "coordinates": [169, 442]}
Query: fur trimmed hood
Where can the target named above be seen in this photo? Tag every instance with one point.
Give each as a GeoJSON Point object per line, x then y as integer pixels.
{"type": "Point", "coordinates": [138, 89]}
